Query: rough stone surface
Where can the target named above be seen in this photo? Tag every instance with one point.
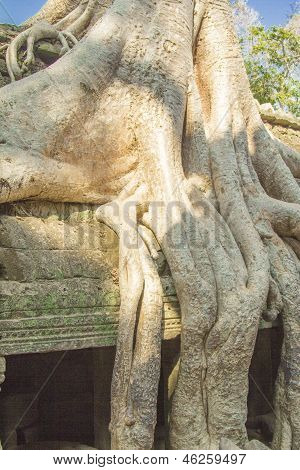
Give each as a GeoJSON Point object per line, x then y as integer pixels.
{"type": "Point", "coordinates": [284, 126]}
{"type": "Point", "coordinates": [227, 444]}
{"type": "Point", "coordinates": [256, 445]}
{"type": "Point", "coordinates": [59, 280]}
{"type": "Point", "coordinates": [287, 134]}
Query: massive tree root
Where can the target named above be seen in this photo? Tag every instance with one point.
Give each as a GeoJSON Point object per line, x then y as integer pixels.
{"type": "Point", "coordinates": [138, 357]}
{"type": "Point", "coordinates": [159, 127]}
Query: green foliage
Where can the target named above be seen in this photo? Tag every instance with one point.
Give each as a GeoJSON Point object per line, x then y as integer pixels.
{"type": "Point", "coordinates": [272, 62]}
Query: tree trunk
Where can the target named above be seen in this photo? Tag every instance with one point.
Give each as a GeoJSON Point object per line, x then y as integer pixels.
{"type": "Point", "coordinates": [53, 11]}
{"type": "Point", "coordinates": [151, 117]}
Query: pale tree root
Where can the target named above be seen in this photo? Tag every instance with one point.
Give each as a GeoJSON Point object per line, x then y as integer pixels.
{"type": "Point", "coordinates": [65, 32]}
{"type": "Point", "coordinates": [295, 246]}
{"type": "Point", "coordinates": [265, 173]}
{"type": "Point", "coordinates": [181, 244]}
{"type": "Point", "coordinates": [196, 293]}
{"type": "Point", "coordinates": [241, 299]}
{"type": "Point", "coordinates": [270, 216]}
{"type": "Point", "coordinates": [198, 272]}
{"type": "Point", "coordinates": [287, 404]}
{"type": "Point", "coordinates": [274, 219]}
{"type": "Point", "coordinates": [281, 219]}
{"type": "Point", "coordinates": [39, 31]}
{"type": "Point", "coordinates": [215, 352]}
{"type": "Point", "coordinates": [230, 344]}
{"type": "Point", "coordinates": [274, 170]}
{"type": "Point", "coordinates": [274, 302]}
{"type": "Point", "coordinates": [279, 229]}
{"type": "Point", "coordinates": [138, 354]}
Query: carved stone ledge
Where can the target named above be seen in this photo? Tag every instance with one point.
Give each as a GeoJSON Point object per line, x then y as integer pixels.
{"type": "Point", "coordinates": [59, 281]}
{"type": "Point", "coordinates": [278, 117]}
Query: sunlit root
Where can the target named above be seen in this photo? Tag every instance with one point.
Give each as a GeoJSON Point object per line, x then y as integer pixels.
{"type": "Point", "coordinates": [88, 8]}
{"type": "Point", "coordinates": [283, 216]}
{"type": "Point", "coordinates": [295, 245]}
{"type": "Point", "coordinates": [285, 272]}
{"type": "Point", "coordinates": [42, 30]}
{"type": "Point", "coordinates": [64, 32]}
{"type": "Point", "coordinates": [137, 364]}
{"type": "Point", "coordinates": [275, 173]}
{"type": "Point", "coordinates": [274, 303]}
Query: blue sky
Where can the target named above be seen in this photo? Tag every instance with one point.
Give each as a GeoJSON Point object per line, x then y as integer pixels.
{"type": "Point", "coordinates": [272, 11]}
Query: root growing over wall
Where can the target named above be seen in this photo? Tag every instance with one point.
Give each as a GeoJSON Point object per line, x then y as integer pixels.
{"type": "Point", "coordinates": [158, 126]}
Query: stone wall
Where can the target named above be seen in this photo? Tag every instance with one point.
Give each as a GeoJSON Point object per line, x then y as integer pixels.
{"type": "Point", "coordinates": [285, 127]}
{"type": "Point", "coordinates": [59, 280]}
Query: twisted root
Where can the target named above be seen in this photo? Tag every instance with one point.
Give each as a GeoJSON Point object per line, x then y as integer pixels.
{"type": "Point", "coordinates": [137, 364]}
{"type": "Point", "coordinates": [64, 32]}
{"type": "Point", "coordinates": [42, 30]}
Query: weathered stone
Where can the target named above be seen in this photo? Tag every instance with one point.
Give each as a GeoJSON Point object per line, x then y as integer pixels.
{"type": "Point", "coordinates": [59, 280]}
{"type": "Point", "coordinates": [256, 445]}
{"type": "Point", "coordinates": [227, 444]}
{"type": "Point", "coordinates": [267, 108]}
{"type": "Point", "coordinates": [289, 135]}
{"type": "Point", "coordinates": [8, 32]}
{"type": "Point", "coordinates": [3, 68]}
{"type": "Point", "coordinates": [279, 117]}
{"type": "Point", "coordinates": [8, 27]}
{"type": "Point", "coordinates": [47, 52]}
{"type": "Point", "coordinates": [4, 81]}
